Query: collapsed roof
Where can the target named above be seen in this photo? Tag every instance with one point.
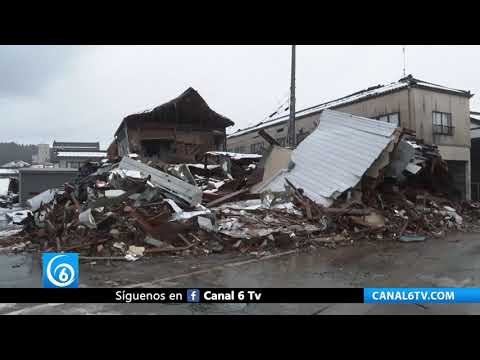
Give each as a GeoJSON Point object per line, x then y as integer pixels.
{"type": "Point", "coordinates": [187, 108]}
{"type": "Point", "coordinates": [335, 156]}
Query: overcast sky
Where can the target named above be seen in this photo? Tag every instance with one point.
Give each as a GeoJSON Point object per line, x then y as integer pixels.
{"type": "Point", "coordinates": [81, 93]}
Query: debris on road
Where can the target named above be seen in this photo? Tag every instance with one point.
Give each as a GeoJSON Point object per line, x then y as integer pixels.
{"type": "Point", "coordinates": [352, 179]}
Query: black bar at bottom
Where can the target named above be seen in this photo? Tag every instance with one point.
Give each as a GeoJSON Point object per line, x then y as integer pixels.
{"type": "Point", "coordinates": [179, 295]}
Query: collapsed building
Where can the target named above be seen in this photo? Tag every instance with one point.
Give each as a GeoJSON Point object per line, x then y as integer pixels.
{"type": "Point", "coordinates": [351, 179]}
{"type": "Point", "coordinates": [177, 131]}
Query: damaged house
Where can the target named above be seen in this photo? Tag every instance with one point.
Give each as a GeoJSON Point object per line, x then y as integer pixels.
{"type": "Point", "coordinates": [351, 158]}
{"type": "Point", "coordinates": [176, 131]}
{"type": "Point", "coordinates": [438, 115]}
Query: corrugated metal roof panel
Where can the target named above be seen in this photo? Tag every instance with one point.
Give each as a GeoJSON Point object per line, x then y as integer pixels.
{"type": "Point", "coordinates": [336, 155]}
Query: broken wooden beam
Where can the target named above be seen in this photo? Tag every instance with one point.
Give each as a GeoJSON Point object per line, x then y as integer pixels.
{"type": "Point", "coordinates": [354, 212]}
{"type": "Point", "coordinates": [184, 239]}
{"type": "Point", "coordinates": [227, 197]}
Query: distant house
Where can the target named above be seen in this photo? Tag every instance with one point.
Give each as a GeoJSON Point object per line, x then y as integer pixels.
{"type": "Point", "coordinates": [74, 154]}
{"type": "Point", "coordinates": [176, 131]}
{"type": "Point", "coordinates": [75, 146]}
{"type": "Point", "coordinates": [43, 154]}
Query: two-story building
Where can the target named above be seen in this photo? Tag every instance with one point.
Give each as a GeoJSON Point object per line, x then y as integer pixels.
{"type": "Point", "coordinates": [439, 115]}
{"type": "Point", "coordinates": [176, 131]}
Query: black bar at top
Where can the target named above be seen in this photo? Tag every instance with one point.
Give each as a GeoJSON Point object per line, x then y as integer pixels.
{"type": "Point", "coordinates": [120, 295]}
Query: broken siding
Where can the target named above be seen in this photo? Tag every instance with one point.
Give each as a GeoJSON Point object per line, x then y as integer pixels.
{"type": "Point", "coordinates": [184, 143]}
{"type": "Point", "coordinates": [335, 156]}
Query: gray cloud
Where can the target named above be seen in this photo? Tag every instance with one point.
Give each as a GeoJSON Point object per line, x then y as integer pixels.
{"type": "Point", "coordinates": [27, 70]}
{"type": "Point", "coordinates": [82, 93]}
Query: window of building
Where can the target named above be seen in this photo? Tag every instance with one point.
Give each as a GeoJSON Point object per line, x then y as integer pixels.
{"type": "Point", "coordinates": [442, 123]}
{"type": "Point", "coordinates": [154, 147]}
{"type": "Point", "coordinates": [256, 148]}
{"type": "Point", "coordinates": [73, 164]}
{"type": "Point", "coordinates": [392, 118]}
{"type": "Point", "coordinates": [240, 150]}
{"type": "Point", "coordinates": [279, 130]}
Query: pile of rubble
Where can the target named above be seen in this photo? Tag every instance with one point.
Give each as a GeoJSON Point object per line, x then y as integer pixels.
{"type": "Point", "coordinates": [128, 208]}
{"type": "Point", "coordinates": [351, 179]}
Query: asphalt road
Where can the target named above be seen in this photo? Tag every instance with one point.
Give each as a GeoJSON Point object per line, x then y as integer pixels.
{"type": "Point", "coordinates": [453, 261]}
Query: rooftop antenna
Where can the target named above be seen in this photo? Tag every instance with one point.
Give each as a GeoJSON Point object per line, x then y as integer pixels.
{"type": "Point", "coordinates": [404, 60]}
{"type": "Point", "coordinates": [291, 121]}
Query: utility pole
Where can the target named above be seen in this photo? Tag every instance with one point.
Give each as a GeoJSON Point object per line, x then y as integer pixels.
{"type": "Point", "coordinates": [404, 60]}
{"type": "Point", "coordinates": [291, 122]}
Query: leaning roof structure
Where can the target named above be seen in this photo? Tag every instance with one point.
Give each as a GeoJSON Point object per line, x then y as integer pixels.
{"type": "Point", "coordinates": [335, 156]}
{"type": "Point", "coordinates": [371, 92]}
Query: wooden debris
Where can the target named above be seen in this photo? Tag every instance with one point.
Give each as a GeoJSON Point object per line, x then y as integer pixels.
{"type": "Point", "coordinates": [226, 198]}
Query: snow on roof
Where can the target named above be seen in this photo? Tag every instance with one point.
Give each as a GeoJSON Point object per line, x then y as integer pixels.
{"type": "Point", "coordinates": [360, 95]}
{"type": "Point", "coordinates": [84, 154]}
{"type": "Point", "coordinates": [436, 86]}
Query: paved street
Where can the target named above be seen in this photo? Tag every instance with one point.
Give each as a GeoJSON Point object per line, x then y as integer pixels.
{"type": "Point", "coordinates": [450, 262]}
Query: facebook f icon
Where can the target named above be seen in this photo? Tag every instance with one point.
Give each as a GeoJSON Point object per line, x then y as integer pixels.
{"type": "Point", "coordinates": [193, 295]}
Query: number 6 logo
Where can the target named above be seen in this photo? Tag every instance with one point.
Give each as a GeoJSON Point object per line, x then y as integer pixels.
{"type": "Point", "coordinates": [63, 274]}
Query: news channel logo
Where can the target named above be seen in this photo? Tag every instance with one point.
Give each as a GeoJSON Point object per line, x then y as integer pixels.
{"type": "Point", "coordinates": [60, 270]}
{"type": "Point", "coordinates": [193, 295]}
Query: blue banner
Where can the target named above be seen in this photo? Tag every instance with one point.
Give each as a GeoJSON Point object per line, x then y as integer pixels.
{"type": "Point", "coordinates": [421, 295]}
